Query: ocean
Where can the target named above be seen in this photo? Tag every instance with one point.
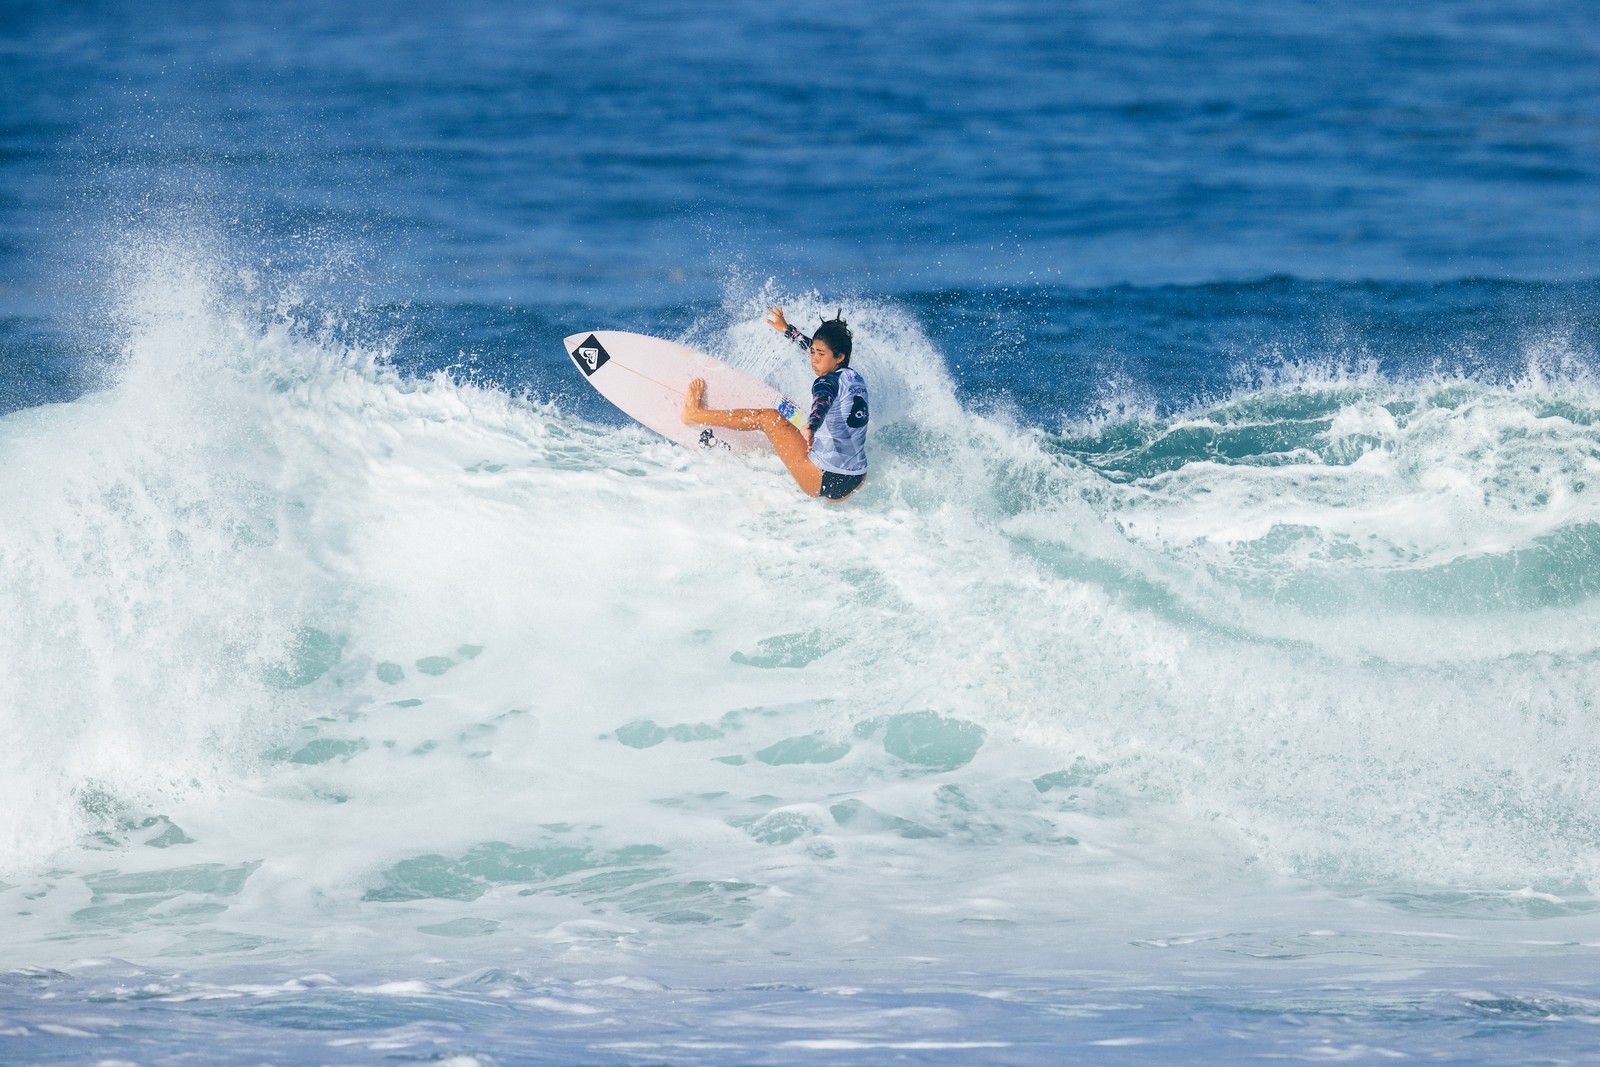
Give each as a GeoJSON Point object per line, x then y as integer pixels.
{"type": "Point", "coordinates": [1207, 671]}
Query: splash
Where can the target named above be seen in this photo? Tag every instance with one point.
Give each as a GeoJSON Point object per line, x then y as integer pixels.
{"type": "Point", "coordinates": [297, 637]}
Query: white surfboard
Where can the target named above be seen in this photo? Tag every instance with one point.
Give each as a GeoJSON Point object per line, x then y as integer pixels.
{"type": "Point", "coordinates": [646, 378]}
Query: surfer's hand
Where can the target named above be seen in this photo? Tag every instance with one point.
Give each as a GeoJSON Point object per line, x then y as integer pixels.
{"type": "Point", "coordinates": [805, 431]}
{"type": "Point", "coordinates": [776, 320]}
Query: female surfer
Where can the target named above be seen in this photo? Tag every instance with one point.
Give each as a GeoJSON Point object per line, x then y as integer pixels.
{"type": "Point", "coordinates": [829, 457]}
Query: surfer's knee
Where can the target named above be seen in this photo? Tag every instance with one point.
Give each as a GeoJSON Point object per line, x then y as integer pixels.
{"type": "Point", "coordinates": [769, 422]}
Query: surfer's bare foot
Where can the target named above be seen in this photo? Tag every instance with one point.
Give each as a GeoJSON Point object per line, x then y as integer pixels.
{"type": "Point", "coordinates": [694, 402]}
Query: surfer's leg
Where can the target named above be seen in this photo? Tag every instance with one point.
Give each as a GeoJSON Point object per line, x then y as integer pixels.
{"type": "Point", "coordinates": [790, 444]}
{"type": "Point", "coordinates": [786, 440]}
{"type": "Point", "coordinates": [695, 412]}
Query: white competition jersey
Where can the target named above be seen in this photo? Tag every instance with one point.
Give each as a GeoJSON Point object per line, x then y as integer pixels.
{"type": "Point", "coordinates": [839, 443]}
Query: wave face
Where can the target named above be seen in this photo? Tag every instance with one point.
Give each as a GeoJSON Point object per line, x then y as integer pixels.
{"type": "Point", "coordinates": [1350, 617]}
{"type": "Point", "coordinates": [309, 659]}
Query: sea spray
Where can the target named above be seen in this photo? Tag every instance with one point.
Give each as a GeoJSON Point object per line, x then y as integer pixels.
{"type": "Point", "coordinates": [301, 641]}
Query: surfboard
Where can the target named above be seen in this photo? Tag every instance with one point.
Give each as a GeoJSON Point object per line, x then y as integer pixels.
{"type": "Point", "coordinates": [646, 378]}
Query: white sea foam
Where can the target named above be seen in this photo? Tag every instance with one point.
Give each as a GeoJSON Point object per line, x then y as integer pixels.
{"type": "Point", "coordinates": [300, 652]}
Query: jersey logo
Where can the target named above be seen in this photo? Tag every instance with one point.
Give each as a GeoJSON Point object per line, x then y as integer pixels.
{"type": "Point", "coordinates": [590, 356]}
{"type": "Point", "coordinates": [858, 413]}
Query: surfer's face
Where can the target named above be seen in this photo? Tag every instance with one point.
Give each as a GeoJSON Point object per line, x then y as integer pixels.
{"type": "Point", "coordinates": [823, 361]}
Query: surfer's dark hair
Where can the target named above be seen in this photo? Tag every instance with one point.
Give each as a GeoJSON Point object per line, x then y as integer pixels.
{"type": "Point", "coordinates": [836, 335]}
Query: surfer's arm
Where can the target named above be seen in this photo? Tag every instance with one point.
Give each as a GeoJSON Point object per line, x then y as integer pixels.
{"type": "Point", "coordinates": [824, 391]}
{"type": "Point", "coordinates": [776, 320]}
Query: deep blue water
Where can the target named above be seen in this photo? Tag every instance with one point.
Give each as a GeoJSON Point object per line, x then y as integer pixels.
{"type": "Point", "coordinates": [1207, 672]}
{"type": "Point", "coordinates": [494, 165]}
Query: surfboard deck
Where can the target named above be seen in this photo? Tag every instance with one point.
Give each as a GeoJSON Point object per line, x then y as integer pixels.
{"type": "Point", "coordinates": [646, 378]}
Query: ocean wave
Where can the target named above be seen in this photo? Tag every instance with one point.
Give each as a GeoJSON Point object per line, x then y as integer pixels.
{"type": "Point", "coordinates": [293, 635]}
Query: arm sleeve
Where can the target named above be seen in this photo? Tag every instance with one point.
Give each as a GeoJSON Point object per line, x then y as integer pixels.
{"type": "Point", "coordinates": [824, 391]}
{"type": "Point", "coordinates": [797, 337]}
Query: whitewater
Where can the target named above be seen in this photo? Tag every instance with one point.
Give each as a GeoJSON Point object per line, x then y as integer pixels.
{"type": "Point", "coordinates": [369, 714]}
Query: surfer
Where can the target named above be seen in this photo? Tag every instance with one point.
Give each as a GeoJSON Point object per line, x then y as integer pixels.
{"type": "Point", "coordinates": [828, 457]}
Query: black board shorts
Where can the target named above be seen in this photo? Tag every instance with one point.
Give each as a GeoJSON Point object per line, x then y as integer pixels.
{"type": "Point", "coordinates": [839, 486]}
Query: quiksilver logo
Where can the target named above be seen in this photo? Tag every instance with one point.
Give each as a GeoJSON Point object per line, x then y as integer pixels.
{"type": "Point", "coordinates": [590, 356]}
{"type": "Point", "coordinates": [858, 413]}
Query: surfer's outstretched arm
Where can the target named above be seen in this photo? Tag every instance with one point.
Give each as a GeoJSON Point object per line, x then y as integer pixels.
{"type": "Point", "coordinates": [776, 320]}
{"type": "Point", "coordinates": [790, 444]}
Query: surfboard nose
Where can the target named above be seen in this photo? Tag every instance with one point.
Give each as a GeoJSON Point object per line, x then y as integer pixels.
{"type": "Point", "coordinates": [574, 341]}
